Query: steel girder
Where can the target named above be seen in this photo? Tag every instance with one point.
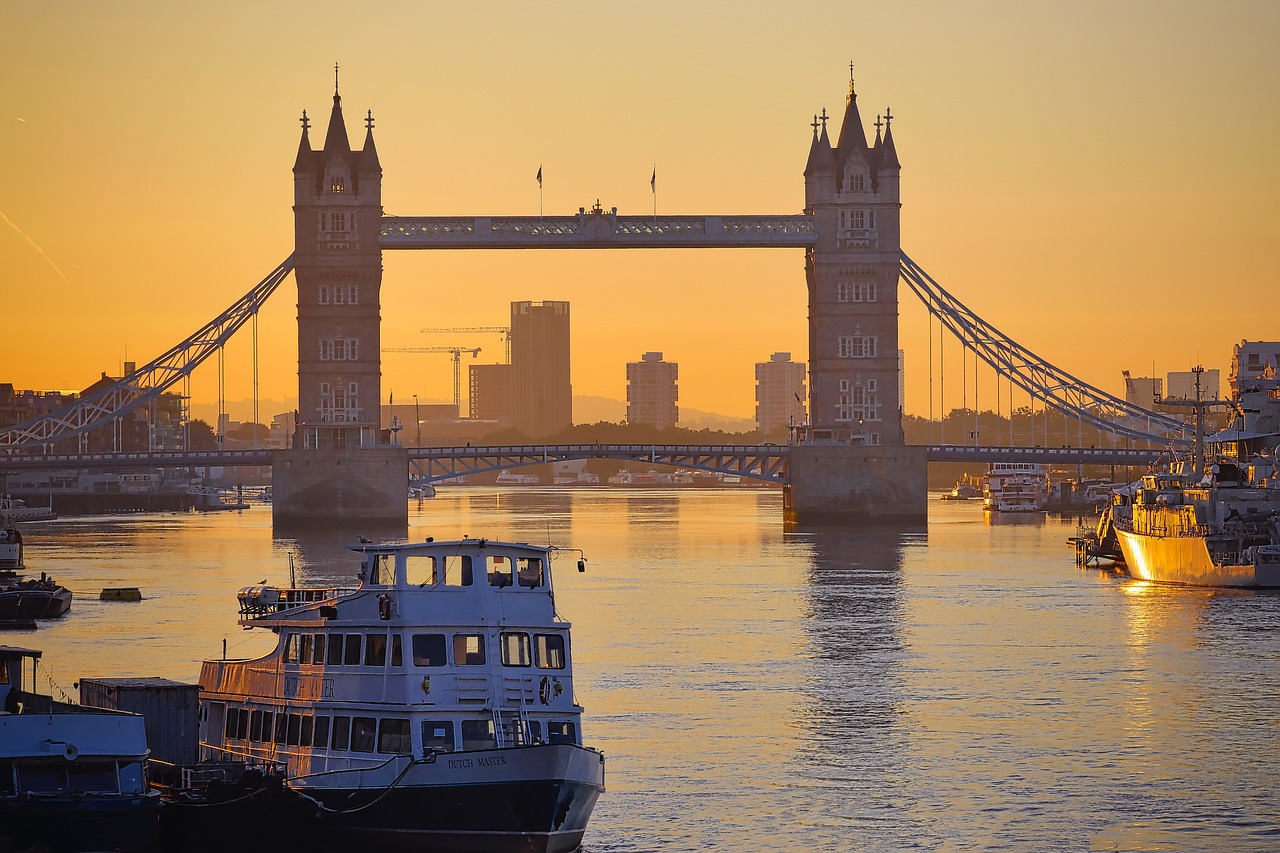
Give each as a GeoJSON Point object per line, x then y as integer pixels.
{"type": "Point", "coordinates": [757, 462]}
{"type": "Point", "coordinates": [147, 382]}
{"type": "Point", "coordinates": [1033, 374]}
{"type": "Point", "coordinates": [596, 230]}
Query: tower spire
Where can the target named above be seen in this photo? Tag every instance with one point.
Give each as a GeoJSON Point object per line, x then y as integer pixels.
{"type": "Point", "coordinates": [335, 79]}
{"type": "Point", "coordinates": [852, 136]}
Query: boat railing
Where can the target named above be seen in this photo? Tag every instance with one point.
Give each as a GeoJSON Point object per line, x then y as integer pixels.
{"type": "Point", "coordinates": [260, 601]}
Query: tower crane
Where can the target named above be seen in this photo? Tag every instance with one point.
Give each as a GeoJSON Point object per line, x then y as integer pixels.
{"type": "Point", "coordinates": [456, 352]}
{"type": "Point", "coordinates": [505, 331]}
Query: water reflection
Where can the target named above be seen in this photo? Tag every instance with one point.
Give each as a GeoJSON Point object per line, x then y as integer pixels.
{"type": "Point", "coordinates": [323, 556]}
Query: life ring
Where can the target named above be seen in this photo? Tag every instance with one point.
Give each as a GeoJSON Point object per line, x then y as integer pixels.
{"type": "Point", "coordinates": [544, 690]}
{"type": "Point", "coordinates": [384, 607]}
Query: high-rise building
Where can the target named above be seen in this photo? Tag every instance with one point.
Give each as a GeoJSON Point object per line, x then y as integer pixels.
{"type": "Point", "coordinates": [1181, 385]}
{"type": "Point", "coordinates": [1143, 391]}
{"type": "Point", "coordinates": [652, 391]}
{"type": "Point", "coordinates": [780, 392]}
{"type": "Point", "coordinates": [852, 191]}
{"type": "Point", "coordinates": [542, 395]}
{"type": "Point", "coordinates": [490, 393]}
{"type": "Point", "coordinates": [1251, 359]}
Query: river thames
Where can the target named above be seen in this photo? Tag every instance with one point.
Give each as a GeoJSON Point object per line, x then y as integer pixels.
{"type": "Point", "coordinates": [960, 688]}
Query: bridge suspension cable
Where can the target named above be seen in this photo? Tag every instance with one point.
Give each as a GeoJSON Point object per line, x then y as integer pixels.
{"type": "Point", "coordinates": [1033, 374]}
{"type": "Point", "coordinates": [147, 382]}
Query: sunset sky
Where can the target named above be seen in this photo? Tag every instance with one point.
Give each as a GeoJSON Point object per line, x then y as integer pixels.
{"type": "Point", "coordinates": [1100, 180]}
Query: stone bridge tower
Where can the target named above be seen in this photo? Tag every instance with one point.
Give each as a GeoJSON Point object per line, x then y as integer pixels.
{"type": "Point", "coordinates": [854, 467]}
{"type": "Point", "coordinates": [340, 468]}
{"type": "Point", "coordinates": [852, 191]}
{"type": "Point", "coordinates": [337, 209]}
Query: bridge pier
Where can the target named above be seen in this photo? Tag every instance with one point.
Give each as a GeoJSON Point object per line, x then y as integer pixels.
{"type": "Point", "coordinates": [323, 487]}
{"type": "Point", "coordinates": [856, 485]}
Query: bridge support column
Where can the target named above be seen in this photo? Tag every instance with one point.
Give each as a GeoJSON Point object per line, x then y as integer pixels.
{"type": "Point", "coordinates": [325, 487]}
{"type": "Point", "coordinates": [858, 485]}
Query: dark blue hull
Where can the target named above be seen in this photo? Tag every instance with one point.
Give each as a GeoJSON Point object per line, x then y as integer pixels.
{"type": "Point", "coordinates": [534, 816]}
{"type": "Point", "coordinates": [72, 824]}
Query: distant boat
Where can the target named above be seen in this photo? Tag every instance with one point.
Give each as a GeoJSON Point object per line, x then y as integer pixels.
{"type": "Point", "coordinates": [508, 478]}
{"type": "Point", "coordinates": [22, 600]}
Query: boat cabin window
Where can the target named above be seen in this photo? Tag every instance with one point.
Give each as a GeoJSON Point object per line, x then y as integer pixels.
{"type": "Point", "coordinates": [438, 735]}
{"type": "Point", "coordinates": [97, 777]}
{"type": "Point", "coordinates": [515, 649]}
{"type": "Point", "coordinates": [291, 644]}
{"type": "Point", "coordinates": [132, 779]}
{"type": "Point", "coordinates": [529, 570]}
{"type": "Point", "coordinates": [341, 733]}
{"type": "Point", "coordinates": [420, 570]}
{"type": "Point", "coordinates": [260, 726]}
{"type": "Point", "coordinates": [548, 651]}
{"type": "Point", "coordinates": [562, 731]}
{"type": "Point", "coordinates": [457, 569]}
{"type": "Point", "coordinates": [320, 735]}
{"type": "Point", "coordinates": [468, 649]}
{"type": "Point", "coordinates": [352, 657]}
{"type": "Point", "coordinates": [375, 650]}
{"type": "Point", "coordinates": [237, 725]}
{"type": "Point", "coordinates": [317, 650]}
{"type": "Point", "coordinates": [383, 570]}
{"type": "Point", "coordinates": [333, 656]}
{"type": "Point", "coordinates": [478, 734]}
{"type": "Point", "coordinates": [304, 649]}
{"type": "Point", "coordinates": [499, 571]}
{"type": "Point", "coordinates": [393, 736]}
{"type": "Point", "coordinates": [428, 650]}
{"type": "Point", "coordinates": [308, 726]}
{"type": "Point", "coordinates": [293, 731]}
{"type": "Point", "coordinates": [282, 727]}
{"type": "Point", "coordinates": [363, 733]}
{"type": "Point", "coordinates": [397, 651]}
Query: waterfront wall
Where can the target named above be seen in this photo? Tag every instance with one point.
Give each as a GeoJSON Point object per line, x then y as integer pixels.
{"type": "Point", "coordinates": [857, 485]}
{"type": "Point", "coordinates": [311, 488]}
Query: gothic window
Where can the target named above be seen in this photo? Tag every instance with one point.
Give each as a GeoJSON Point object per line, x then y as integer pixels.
{"type": "Point", "coordinates": [334, 220]}
{"type": "Point", "coordinates": [857, 346]}
{"type": "Point", "coordinates": [858, 183]}
{"type": "Point", "coordinates": [339, 349]}
{"type": "Point", "coordinates": [844, 291]}
{"type": "Point", "coordinates": [337, 184]}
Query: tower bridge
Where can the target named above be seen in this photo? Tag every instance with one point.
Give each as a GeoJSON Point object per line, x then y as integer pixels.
{"type": "Point", "coordinates": [854, 463]}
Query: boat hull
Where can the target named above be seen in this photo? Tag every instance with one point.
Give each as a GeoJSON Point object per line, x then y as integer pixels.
{"type": "Point", "coordinates": [537, 799]}
{"type": "Point", "coordinates": [1186, 560]}
{"type": "Point", "coordinates": [79, 823]}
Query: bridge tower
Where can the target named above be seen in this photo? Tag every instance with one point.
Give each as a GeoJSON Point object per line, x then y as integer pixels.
{"type": "Point", "coordinates": [852, 192]}
{"type": "Point", "coordinates": [854, 466]}
{"type": "Point", "coordinates": [339, 466]}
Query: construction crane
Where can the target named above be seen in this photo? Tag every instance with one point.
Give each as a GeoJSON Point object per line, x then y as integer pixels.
{"type": "Point", "coordinates": [505, 331]}
{"type": "Point", "coordinates": [456, 352]}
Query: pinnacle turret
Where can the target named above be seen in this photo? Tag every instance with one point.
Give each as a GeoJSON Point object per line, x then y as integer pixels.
{"type": "Point", "coordinates": [888, 158]}
{"type": "Point", "coordinates": [821, 157]}
{"type": "Point", "coordinates": [369, 164]}
{"type": "Point", "coordinates": [306, 159]}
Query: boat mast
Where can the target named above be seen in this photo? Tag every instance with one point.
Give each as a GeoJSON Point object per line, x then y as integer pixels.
{"type": "Point", "coordinates": [1198, 405]}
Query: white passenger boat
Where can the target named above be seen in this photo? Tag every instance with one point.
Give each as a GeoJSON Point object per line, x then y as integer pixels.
{"type": "Point", "coordinates": [431, 707]}
{"type": "Point", "coordinates": [1015, 487]}
{"type": "Point", "coordinates": [71, 777]}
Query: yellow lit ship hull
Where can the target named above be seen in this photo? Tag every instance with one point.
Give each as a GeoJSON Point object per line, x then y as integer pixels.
{"type": "Point", "coordinates": [1187, 560]}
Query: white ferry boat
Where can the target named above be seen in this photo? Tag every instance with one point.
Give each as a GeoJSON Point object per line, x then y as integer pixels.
{"type": "Point", "coordinates": [1015, 487]}
{"type": "Point", "coordinates": [431, 707]}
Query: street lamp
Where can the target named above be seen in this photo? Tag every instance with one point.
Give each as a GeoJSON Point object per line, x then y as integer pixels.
{"type": "Point", "coordinates": [417, 418]}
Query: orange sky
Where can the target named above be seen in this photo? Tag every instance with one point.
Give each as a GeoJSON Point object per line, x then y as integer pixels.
{"type": "Point", "coordinates": [1099, 180]}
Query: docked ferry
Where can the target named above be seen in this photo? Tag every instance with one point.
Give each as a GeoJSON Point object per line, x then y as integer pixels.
{"type": "Point", "coordinates": [1213, 519]}
{"type": "Point", "coordinates": [1015, 487]}
{"type": "Point", "coordinates": [429, 707]}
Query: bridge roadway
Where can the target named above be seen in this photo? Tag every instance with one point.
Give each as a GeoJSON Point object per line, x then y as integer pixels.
{"type": "Point", "coordinates": [756, 461]}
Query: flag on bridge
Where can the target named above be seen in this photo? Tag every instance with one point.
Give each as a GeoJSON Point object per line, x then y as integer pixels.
{"type": "Point", "coordinates": [653, 181]}
{"type": "Point", "coordinates": [539, 176]}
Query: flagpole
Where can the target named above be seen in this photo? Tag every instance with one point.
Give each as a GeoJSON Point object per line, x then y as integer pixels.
{"type": "Point", "coordinates": [539, 193]}
{"type": "Point", "coordinates": [653, 185]}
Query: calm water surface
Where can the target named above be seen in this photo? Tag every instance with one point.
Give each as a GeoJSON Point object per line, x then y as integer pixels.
{"type": "Point", "coordinates": [964, 688]}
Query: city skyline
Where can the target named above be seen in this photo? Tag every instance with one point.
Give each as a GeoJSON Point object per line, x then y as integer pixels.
{"type": "Point", "coordinates": [1097, 195]}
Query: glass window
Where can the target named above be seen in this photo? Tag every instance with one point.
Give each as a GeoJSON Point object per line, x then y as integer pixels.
{"type": "Point", "coordinates": [304, 648]}
{"type": "Point", "coordinates": [259, 722]}
{"type": "Point", "coordinates": [291, 649]}
{"type": "Point", "coordinates": [282, 727]}
{"type": "Point", "coordinates": [294, 731]}
{"type": "Point", "coordinates": [317, 650]}
{"type": "Point", "coordinates": [535, 731]}
{"type": "Point", "coordinates": [438, 735]}
{"type": "Point", "coordinates": [499, 571]}
{"type": "Point", "coordinates": [393, 737]}
{"type": "Point", "coordinates": [132, 779]}
{"type": "Point", "coordinates": [561, 732]}
{"type": "Point", "coordinates": [420, 570]}
{"type": "Point", "coordinates": [335, 650]}
{"type": "Point", "coordinates": [515, 648]}
{"type": "Point", "coordinates": [98, 777]}
{"type": "Point", "coordinates": [457, 570]}
{"type": "Point", "coordinates": [375, 650]}
{"type": "Point", "coordinates": [478, 734]}
{"type": "Point", "coordinates": [363, 731]}
{"type": "Point", "coordinates": [384, 570]}
{"type": "Point", "coordinates": [308, 725]}
{"type": "Point", "coordinates": [428, 650]}
{"type": "Point", "coordinates": [529, 570]}
{"type": "Point", "coordinates": [42, 778]}
{"type": "Point", "coordinates": [320, 737]}
{"type": "Point", "coordinates": [352, 657]}
{"type": "Point", "coordinates": [468, 649]}
{"type": "Point", "coordinates": [341, 733]}
{"type": "Point", "coordinates": [548, 651]}
{"type": "Point", "coordinates": [397, 651]}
